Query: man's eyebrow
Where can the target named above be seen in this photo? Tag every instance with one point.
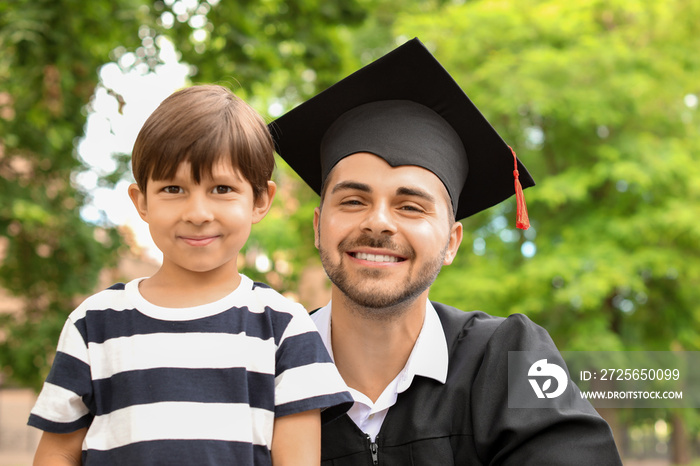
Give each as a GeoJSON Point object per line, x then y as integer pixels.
{"type": "Point", "coordinates": [351, 185]}
{"type": "Point", "coordinates": [415, 192]}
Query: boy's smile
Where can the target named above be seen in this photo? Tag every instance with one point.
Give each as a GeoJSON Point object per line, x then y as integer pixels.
{"type": "Point", "coordinates": [200, 227]}
{"type": "Point", "coordinates": [199, 241]}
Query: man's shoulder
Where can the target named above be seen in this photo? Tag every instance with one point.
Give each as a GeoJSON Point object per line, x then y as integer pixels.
{"type": "Point", "coordinates": [453, 314]}
{"type": "Point", "coordinates": [479, 326]}
{"type": "Point", "coordinates": [458, 320]}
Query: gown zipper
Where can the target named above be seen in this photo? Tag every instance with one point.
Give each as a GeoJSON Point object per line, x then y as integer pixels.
{"type": "Point", "coordinates": [373, 449]}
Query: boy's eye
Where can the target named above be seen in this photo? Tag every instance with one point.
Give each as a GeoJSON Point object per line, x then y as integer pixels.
{"type": "Point", "coordinates": [172, 189]}
{"type": "Point", "coordinates": [221, 189]}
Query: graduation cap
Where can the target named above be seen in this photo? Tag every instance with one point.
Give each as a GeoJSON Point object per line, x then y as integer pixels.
{"type": "Point", "coordinates": [405, 108]}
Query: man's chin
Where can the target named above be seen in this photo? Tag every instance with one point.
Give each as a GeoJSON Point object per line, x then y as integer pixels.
{"type": "Point", "coordinates": [376, 299]}
{"type": "Point", "coordinates": [375, 302]}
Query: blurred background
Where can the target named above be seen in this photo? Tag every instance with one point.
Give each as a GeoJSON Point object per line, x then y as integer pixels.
{"type": "Point", "coordinates": [598, 97]}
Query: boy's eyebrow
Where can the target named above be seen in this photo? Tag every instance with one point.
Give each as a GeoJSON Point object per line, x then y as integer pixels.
{"type": "Point", "coordinates": [351, 185]}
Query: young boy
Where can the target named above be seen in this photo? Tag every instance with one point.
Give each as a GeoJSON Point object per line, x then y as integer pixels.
{"type": "Point", "coordinates": [196, 364]}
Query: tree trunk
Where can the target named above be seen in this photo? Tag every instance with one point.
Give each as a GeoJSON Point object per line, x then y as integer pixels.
{"type": "Point", "coordinates": [680, 444]}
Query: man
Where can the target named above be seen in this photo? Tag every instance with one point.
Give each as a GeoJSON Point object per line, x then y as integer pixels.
{"type": "Point", "coordinates": [398, 152]}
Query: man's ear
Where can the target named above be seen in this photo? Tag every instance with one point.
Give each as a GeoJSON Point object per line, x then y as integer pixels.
{"type": "Point", "coordinates": [456, 233]}
{"type": "Point", "coordinates": [317, 219]}
{"type": "Point", "coordinates": [263, 203]}
{"type": "Point", "coordinates": [138, 197]}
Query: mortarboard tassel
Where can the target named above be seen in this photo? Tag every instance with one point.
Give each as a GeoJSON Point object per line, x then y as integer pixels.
{"type": "Point", "coordinates": [522, 220]}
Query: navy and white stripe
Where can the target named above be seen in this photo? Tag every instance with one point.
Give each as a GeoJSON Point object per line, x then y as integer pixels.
{"type": "Point", "coordinates": [208, 380]}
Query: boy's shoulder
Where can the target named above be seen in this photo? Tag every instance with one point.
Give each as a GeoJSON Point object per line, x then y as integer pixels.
{"type": "Point", "coordinates": [113, 297]}
{"type": "Point", "coordinates": [268, 297]}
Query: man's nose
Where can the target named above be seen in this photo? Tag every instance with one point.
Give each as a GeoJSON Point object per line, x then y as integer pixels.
{"type": "Point", "coordinates": [197, 209]}
{"type": "Point", "coordinates": [379, 220]}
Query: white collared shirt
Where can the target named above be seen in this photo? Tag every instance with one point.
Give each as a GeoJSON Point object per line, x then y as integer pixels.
{"type": "Point", "coordinates": [428, 359]}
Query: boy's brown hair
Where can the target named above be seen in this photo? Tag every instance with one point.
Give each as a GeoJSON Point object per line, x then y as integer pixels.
{"type": "Point", "coordinates": [202, 125]}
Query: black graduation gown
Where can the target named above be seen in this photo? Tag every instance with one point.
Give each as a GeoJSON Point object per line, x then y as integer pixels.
{"type": "Point", "coordinates": [466, 421]}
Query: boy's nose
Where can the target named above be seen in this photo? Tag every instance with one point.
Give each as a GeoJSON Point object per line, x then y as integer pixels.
{"type": "Point", "coordinates": [197, 210]}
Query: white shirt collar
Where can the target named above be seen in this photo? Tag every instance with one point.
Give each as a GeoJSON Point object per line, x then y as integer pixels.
{"type": "Point", "coordinates": [429, 357]}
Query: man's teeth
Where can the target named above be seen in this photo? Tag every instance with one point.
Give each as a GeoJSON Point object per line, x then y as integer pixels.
{"type": "Point", "coordinates": [376, 257]}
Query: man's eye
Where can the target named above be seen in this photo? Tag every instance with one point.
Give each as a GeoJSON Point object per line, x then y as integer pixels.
{"type": "Point", "coordinates": [351, 202]}
{"type": "Point", "coordinates": [221, 189]}
{"type": "Point", "coordinates": [172, 189]}
{"type": "Point", "coordinates": [411, 208]}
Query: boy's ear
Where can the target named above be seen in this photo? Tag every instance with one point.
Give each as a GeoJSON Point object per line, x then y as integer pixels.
{"type": "Point", "coordinates": [264, 202]}
{"type": "Point", "coordinates": [138, 197]}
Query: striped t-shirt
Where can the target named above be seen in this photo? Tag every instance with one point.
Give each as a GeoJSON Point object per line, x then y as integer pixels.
{"type": "Point", "coordinates": [199, 385]}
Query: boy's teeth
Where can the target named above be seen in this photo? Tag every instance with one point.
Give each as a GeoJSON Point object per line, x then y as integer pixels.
{"type": "Point", "coordinates": [375, 257]}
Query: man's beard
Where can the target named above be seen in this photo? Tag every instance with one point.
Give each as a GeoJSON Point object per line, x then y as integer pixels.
{"type": "Point", "coordinates": [371, 297]}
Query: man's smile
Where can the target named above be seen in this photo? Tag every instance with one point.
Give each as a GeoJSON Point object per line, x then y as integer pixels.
{"type": "Point", "coordinates": [380, 258]}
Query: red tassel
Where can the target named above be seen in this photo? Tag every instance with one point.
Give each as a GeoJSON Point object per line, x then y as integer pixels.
{"type": "Point", "coordinates": [522, 220]}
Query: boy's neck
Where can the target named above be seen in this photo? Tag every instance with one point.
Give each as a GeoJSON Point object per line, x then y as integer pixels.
{"type": "Point", "coordinates": [170, 287]}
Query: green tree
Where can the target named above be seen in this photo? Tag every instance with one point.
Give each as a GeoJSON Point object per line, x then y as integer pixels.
{"type": "Point", "coordinates": [600, 100]}
{"type": "Point", "coordinates": [51, 51]}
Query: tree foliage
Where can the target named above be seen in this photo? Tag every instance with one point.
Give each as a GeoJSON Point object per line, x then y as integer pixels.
{"type": "Point", "coordinates": [599, 99]}
{"type": "Point", "coordinates": [51, 51]}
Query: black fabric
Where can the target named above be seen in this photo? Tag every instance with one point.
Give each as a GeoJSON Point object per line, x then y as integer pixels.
{"type": "Point", "coordinates": [412, 73]}
{"type": "Point", "coordinates": [402, 133]}
{"type": "Point", "coordinates": [467, 421]}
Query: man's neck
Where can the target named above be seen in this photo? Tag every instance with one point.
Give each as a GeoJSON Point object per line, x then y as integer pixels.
{"type": "Point", "coordinates": [371, 349]}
